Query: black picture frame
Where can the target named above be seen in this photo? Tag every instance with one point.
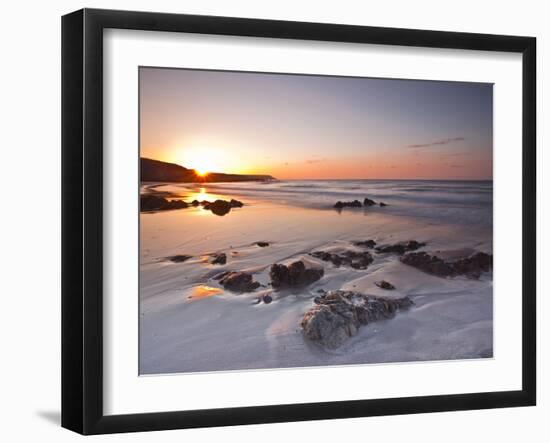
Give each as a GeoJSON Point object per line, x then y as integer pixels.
{"type": "Point", "coordinates": [82, 218]}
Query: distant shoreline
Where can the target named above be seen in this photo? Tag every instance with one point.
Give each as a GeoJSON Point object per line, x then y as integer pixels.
{"type": "Point", "coordinates": [159, 171]}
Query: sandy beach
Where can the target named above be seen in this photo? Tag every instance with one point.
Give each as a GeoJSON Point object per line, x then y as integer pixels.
{"type": "Point", "coordinates": [190, 323]}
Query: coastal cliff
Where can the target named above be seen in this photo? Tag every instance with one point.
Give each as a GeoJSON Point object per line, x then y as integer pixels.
{"type": "Point", "coordinates": [159, 171]}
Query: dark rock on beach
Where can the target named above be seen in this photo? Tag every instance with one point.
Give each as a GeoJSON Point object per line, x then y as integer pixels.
{"type": "Point", "coordinates": [356, 260]}
{"type": "Point", "coordinates": [382, 204]}
{"type": "Point", "coordinates": [267, 299]}
{"type": "Point", "coordinates": [179, 258]}
{"type": "Point", "coordinates": [401, 248]}
{"type": "Point", "coordinates": [221, 207]}
{"type": "Point", "coordinates": [295, 274]}
{"type": "Point", "coordinates": [366, 243]}
{"type": "Point", "coordinates": [262, 244]}
{"type": "Point", "coordinates": [384, 284]}
{"type": "Point", "coordinates": [150, 202]}
{"type": "Point", "coordinates": [474, 265]}
{"type": "Point", "coordinates": [218, 207]}
{"type": "Point", "coordinates": [337, 315]}
{"type": "Point", "coordinates": [236, 203]}
{"type": "Point", "coordinates": [219, 259]}
{"type": "Point", "coordinates": [471, 267]}
{"type": "Point", "coordinates": [352, 204]}
{"type": "Point", "coordinates": [238, 281]}
{"type": "Point", "coordinates": [369, 202]}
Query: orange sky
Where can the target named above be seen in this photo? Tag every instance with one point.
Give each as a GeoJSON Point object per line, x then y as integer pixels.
{"type": "Point", "coordinates": [312, 127]}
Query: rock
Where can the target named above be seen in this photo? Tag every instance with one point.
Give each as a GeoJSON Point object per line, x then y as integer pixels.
{"type": "Point", "coordinates": [262, 244]}
{"type": "Point", "coordinates": [149, 202]}
{"type": "Point", "coordinates": [367, 243]}
{"type": "Point", "coordinates": [195, 203]}
{"type": "Point", "coordinates": [295, 274]}
{"type": "Point", "coordinates": [221, 207]}
{"type": "Point", "coordinates": [384, 284]}
{"type": "Point", "coordinates": [337, 315]}
{"type": "Point", "coordinates": [471, 267]}
{"type": "Point", "coordinates": [218, 207]}
{"type": "Point", "coordinates": [369, 202]}
{"type": "Point", "coordinates": [219, 259]}
{"type": "Point", "coordinates": [238, 281]}
{"type": "Point", "coordinates": [267, 299]}
{"type": "Point", "coordinates": [401, 248]}
{"type": "Point", "coordinates": [236, 203]}
{"type": "Point", "coordinates": [356, 260]}
{"type": "Point", "coordinates": [179, 258]}
{"type": "Point", "coordinates": [352, 204]}
{"type": "Point", "coordinates": [382, 204]}
{"type": "Point", "coordinates": [474, 265]}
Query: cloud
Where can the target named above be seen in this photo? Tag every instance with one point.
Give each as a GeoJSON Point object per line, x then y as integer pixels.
{"type": "Point", "coordinates": [443, 141]}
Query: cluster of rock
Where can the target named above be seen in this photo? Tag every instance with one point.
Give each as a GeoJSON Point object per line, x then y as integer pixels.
{"type": "Point", "coordinates": [237, 281]}
{"type": "Point", "coordinates": [337, 315]}
{"type": "Point", "coordinates": [356, 260]}
{"type": "Point", "coordinates": [357, 204]}
{"type": "Point", "coordinates": [401, 247]}
{"type": "Point", "coordinates": [366, 243]}
{"type": "Point", "coordinates": [152, 202]}
{"type": "Point", "coordinates": [351, 204]}
{"type": "Point", "coordinates": [471, 267]}
{"type": "Point", "coordinates": [221, 207]}
{"type": "Point", "coordinates": [295, 274]}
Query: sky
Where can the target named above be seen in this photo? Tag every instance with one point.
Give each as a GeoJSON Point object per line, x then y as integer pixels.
{"type": "Point", "coordinates": [316, 127]}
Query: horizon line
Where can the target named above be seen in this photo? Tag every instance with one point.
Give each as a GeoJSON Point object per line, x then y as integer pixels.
{"type": "Point", "coordinates": [321, 179]}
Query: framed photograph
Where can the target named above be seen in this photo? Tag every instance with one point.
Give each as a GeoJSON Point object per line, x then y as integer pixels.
{"type": "Point", "coordinates": [269, 221]}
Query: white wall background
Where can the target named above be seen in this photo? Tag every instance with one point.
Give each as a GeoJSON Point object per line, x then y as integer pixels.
{"type": "Point", "coordinates": [30, 218]}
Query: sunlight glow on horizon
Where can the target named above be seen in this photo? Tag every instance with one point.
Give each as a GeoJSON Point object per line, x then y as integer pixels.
{"type": "Point", "coordinates": [315, 127]}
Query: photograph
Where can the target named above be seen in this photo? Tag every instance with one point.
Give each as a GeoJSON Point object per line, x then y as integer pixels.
{"type": "Point", "coordinates": [297, 220]}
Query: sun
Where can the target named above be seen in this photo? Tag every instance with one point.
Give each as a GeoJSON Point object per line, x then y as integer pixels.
{"type": "Point", "coordinates": [203, 161]}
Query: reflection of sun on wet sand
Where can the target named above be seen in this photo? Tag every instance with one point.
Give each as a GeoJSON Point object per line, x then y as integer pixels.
{"type": "Point", "coordinates": [207, 313]}
{"type": "Point", "coordinates": [203, 291]}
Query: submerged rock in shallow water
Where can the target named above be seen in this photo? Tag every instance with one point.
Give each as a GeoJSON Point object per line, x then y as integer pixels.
{"type": "Point", "coordinates": [337, 315]}
{"type": "Point", "coordinates": [369, 202]}
{"type": "Point", "coordinates": [471, 267]}
{"type": "Point", "coordinates": [356, 260]}
{"type": "Point", "coordinates": [295, 274]}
